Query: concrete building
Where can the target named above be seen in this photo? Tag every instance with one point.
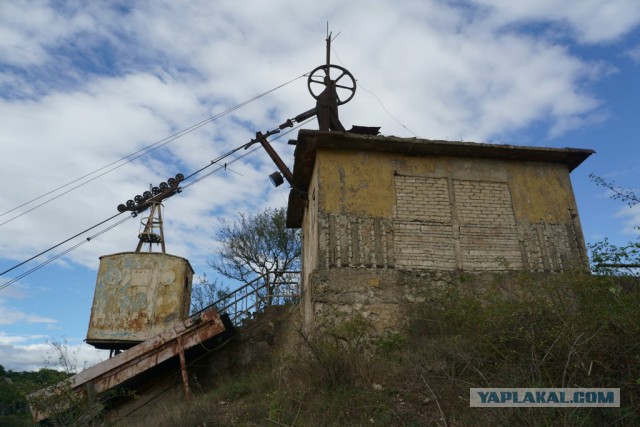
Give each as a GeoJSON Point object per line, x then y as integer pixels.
{"type": "Point", "coordinates": [383, 216]}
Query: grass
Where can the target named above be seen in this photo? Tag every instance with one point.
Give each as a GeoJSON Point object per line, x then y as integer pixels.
{"type": "Point", "coordinates": [518, 331]}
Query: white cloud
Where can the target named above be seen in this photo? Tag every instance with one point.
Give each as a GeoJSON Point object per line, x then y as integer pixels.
{"type": "Point", "coordinates": [631, 220]}
{"type": "Point", "coordinates": [9, 316]}
{"type": "Point", "coordinates": [590, 21]}
{"type": "Point", "coordinates": [31, 353]}
{"type": "Point", "coordinates": [634, 54]}
{"type": "Point", "coordinates": [8, 339]}
{"type": "Point", "coordinates": [26, 36]}
{"type": "Point", "coordinates": [16, 291]}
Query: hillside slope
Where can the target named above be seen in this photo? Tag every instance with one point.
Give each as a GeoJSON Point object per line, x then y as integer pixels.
{"type": "Point", "coordinates": [518, 331]}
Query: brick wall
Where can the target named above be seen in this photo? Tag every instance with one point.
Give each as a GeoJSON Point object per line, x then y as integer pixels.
{"type": "Point", "coordinates": [487, 226]}
{"type": "Point", "coordinates": [447, 224]}
{"type": "Point", "coordinates": [423, 224]}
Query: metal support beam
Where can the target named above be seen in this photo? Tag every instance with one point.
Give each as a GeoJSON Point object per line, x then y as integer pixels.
{"type": "Point", "coordinates": [183, 370]}
{"type": "Point", "coordinates": [274, 156]}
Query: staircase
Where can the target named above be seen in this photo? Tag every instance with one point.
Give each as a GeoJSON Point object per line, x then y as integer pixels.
{"type": "Point", "coordinates": [270, 289]}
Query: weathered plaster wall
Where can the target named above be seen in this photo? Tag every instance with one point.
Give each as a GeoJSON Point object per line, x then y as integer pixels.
{"type": "Point", "coordinates": [381, 228]}
{"type": "Point", "coordinates": [392, 211]}
{"type": "Point", "coordinates": [355, 183]}
{"type": "Point", "coordinates": [387, 298]}
{"type": "Point", "coordinates": [379, 295]}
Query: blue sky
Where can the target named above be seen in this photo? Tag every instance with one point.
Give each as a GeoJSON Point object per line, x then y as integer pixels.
{"type": "Point", "coordinates": [83, 85]}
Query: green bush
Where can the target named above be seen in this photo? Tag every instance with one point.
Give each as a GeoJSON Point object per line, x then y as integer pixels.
{"type": "Point", "coordinates": [523, 331]}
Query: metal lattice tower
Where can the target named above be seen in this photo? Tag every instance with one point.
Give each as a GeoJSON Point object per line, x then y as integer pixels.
{"type": "Point", "coordinates": [153, 232]}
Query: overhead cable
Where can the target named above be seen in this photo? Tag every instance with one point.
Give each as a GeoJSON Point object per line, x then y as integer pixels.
{"type": "Point", "coordinates": [59, 244]}
{"type": "Point", "coordinates": [133, 156]}
{"type": "Point", "coordinates": [72, 248]}
{"type": "Point", "coordinates": [301, 120]}
{"type": "Point", "coordinates": [61, 254]}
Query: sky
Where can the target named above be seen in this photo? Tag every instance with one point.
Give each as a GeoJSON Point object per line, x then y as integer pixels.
{"type": "Point", "coordinates": [85, 84]}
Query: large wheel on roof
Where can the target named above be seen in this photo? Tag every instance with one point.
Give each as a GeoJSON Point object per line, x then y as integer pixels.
{"type": "Point", "coordinates": [344, 81]}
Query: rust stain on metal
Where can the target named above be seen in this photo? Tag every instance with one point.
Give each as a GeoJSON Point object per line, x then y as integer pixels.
{"type": "Point", "coordinates": [183, 369]}
{"type": "Point", "coordinates": [137, 296]}
{"type": "Point", "coordinates": [126, 365]}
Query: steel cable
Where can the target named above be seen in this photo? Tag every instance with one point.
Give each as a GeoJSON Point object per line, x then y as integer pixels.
{"type": "Point", "coordinates": [131, 157]}
{"type": "Point", "coordinates": [61, 254]}
{"type": "Point", "coordinates": [66, 251]}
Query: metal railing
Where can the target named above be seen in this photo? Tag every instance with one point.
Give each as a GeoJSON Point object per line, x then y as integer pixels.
{"type": "Point", "coordinates": [269, 289]}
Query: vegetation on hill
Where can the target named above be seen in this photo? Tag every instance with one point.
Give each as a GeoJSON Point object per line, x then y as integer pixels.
{"type": "Point", "coordinates": [520, 331]}
{"type": "Point", "coordinates": [14, 386]}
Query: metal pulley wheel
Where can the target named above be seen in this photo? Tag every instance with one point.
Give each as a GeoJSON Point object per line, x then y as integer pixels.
{"type": "Point", "coordinates": [345, 89]}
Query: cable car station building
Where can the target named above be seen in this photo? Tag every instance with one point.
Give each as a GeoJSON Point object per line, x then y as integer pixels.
{"type": "Point", "coordinates": [383, 220]}
{"type": "Point", "coordinates": [382, 217]}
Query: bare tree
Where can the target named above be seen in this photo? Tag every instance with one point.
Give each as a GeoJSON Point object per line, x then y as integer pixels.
{"type": "Point", "coordinates": [256, 244]}
{"type": "Point", "coordinates": [207, 292]}
{"type": "Point", "coordinates": [625, 195]}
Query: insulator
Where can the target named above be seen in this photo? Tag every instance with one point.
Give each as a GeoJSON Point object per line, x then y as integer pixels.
{"type": "Point", "coordinates": [147, 195]}
{"type": "Point", "coordinates": [179, 177]}
{"type": "Point", "coordinates": [138, 199]}
{"type": "Point", "coordinates": [130, 203]}
{"type": "Point", "coordinates": [155, 191]}
{"type": "Point", "coordinates": [150, 238]}
{"type": "Point", "coordinates": [121, 208]}
{"type": "Point", "coordinates": [172, 182]}
{"type": "Point", "coordinates": [164, 186]}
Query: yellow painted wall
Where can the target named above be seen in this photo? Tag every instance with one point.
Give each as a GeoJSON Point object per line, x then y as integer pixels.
{"type": "Point", "coordinates": [310, 247]}
{"type": "Point", "coordinates": [358, 183]}
{"type": "Point", "coordinates": [362, 183]}
{"type": "Point", "coordinates": [541, 192]}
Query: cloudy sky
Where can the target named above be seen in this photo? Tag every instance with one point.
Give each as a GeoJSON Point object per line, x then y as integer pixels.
{"type": "Point", "coordinates": [85, 84]}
